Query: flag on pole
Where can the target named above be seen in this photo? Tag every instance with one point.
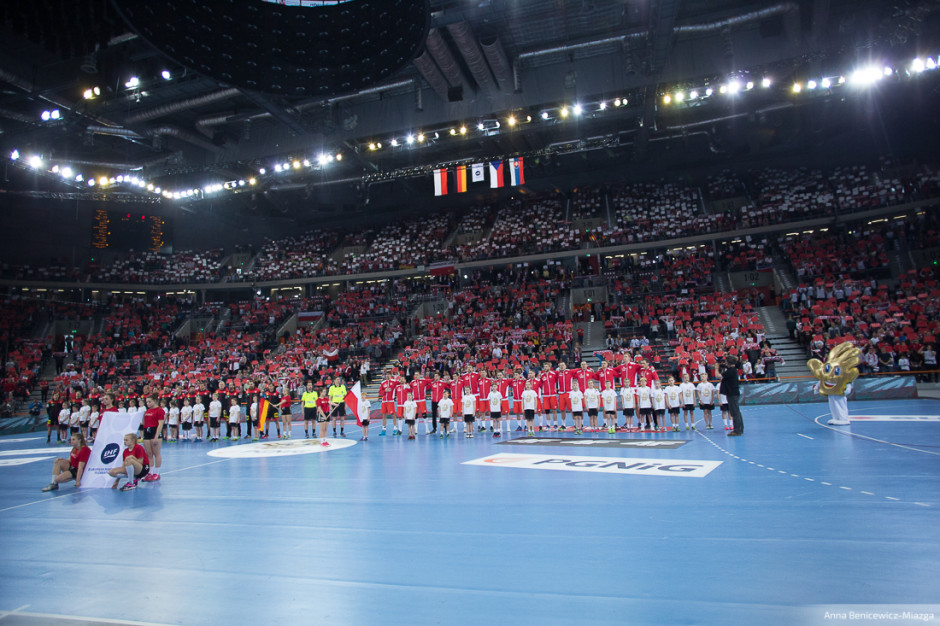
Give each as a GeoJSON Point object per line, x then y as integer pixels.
{"type": "Point", "coordinates": [354, 401]}
{"type": "Point", "coordinates": [461, 178]}
{"type": "Point", "coordinates": [479, 172]}
{"type": "Point", "coordinates": [440, 182]}
{"type": "Point", "coordinates": [516, 176]}
{"type": "Point", "coordinates": [496, 174]}
{"type": "Point", "coordinates": [263, 407]}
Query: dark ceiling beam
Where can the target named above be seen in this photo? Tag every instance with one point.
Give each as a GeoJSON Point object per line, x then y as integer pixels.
{"type": "Point", "coordinates": [661, 40]}
{"type": "Point", "coordinates": [285, 115]}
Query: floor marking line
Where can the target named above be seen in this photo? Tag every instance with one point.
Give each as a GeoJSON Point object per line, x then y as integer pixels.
{"type": "Point", "coordinates": [810, 480]}
{"type": "Point", "coordinates": [183, 469]}
{"type": "Point", "coordinates": [14, 611]}
{"type": "Point", "coordinates": [804, 436]}
{"type": "Point", "coordinates": [846, 488]}
{"type": "Point", "coordinates": [921, 504]}
{"type": "Point", "coordinates": [847, 433]}
{"type": "Point", "coordinates": [868, 493]}
{"type": "Point", "coordinates": [93, 620]}
{"type": "Point", "coordinates": [825, 483]}
{"type": "Point", "coordinates": [890, 498]}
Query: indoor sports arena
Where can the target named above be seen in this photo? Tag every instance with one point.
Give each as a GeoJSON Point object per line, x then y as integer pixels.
{"type": "Point", "coordinates": [266, 267]}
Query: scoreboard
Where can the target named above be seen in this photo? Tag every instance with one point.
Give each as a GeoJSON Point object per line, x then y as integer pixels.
{"type": "Point", "coordinates": [126, 230]}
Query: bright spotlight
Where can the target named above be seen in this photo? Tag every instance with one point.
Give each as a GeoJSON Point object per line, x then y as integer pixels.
{"type": "Point", "coordinates": [749, 85]}
{"type": "Point", "coordinates": [322, 160]}
{"type": "Point", "coordinates": [67, 172]}
{"type": "Point", "coordinates": [865, 76]}
{"type": "Point", "coordinates": [811, 84]}
{"type": "Point", "coordinates": [918, 66]}
{"type": "Point", "coordinates": [480, 126]}
{"type": "Point", "coordinates": [511, 121]}
{"type": "Point", "coordinates": [577, 109]}
{"type": "Point", "coordinates": [91, 182]}
{"type": "Point", "coordinates": [14, 155]}
{"type": "Point", "coordinates": [277, 167]}
{"type": "Point", "coordinates": [132, 82]}
{"type": "Point", "coordinates": [88, 94]}
{"type": "Point", "coordinates": [339, 156]}
{"type": "Point", "coordinates": [55, 114]}
{"type": "Point", "coordinates": [45, 116]}
{"type": "Point", "coordinates": [723, 89]}
{"type": "Point", "coordinates": [35, 162]}
{"type": "Point", "coordinates": [931, 64]}
{"type": "Point", "coordinates": [544, 115]}
{"type": "Point", "coordinates": [103, 181]}
{"type": "Point", "coordinates": [252, 181]}
{"type": "Point", "coordinates": [709, 91]}
{"type": "Point", "coordinates": [602, 106]}
{"type": "Point", "coordinates": [263, 171]}
{"type": "Point", "coordinates": [667, 99]}
{"type": "Point", "coordinates": [165, 74]}
{"type": "Point", "coordinates": [797, 87]}
{"type": "Point", "coordinates": [79, 178]}
{"type": "Point", "coordinates": [453, 131]}
{"type": "Point", "coordinates": [765, 82]}
{"type": "Point", "coordinates": [616, 102]}
{"type": "Point", "coordinates": [296, 165]}
{"type": "Point", "coordinates": [564, 111]}
{"type": "Point", "coordinates": [463, 130]}
{"type": "Point", "coordinates": [693, 94]}
{"type": "Point", "coordinates": [420, 137]}
{"type": "Point", "coordinates": [680, 96]}
{"type": "Point", "coordinates": [826, 83]}
{"type": "Point", "coordinates": [306, 162]}
{"type": "Point", "coordinates": [410, 139]}
{"type": "Point", "coordinates": [378, 145]}
{"type": "Point", "coordinates": [734, 86]}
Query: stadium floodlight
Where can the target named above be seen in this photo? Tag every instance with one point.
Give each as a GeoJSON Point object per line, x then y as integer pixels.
{"type": "Point", "coordinates": [463, 130]}
{"type": "Point", "coordinates": [79, 178]}
{"type": "Point", "coordinates": [35, 162]}
{"type": "Point", "coordinates": [749, 85]}
{"type": "Point", "coordinates": [165, 74]}
{"type": "Point", "coordinates": [811, 84]}
{"type": "Point", "coordinates": [511, 121]}
{"type": "Point", "coordinates": [14, 155]}
{"type": "Point", "coordinates": [66, 172]}
{"type": "Point", "coordinates": [410, 139]}
{"type": "Point", "coordinates": [866, 76]}
{"type": "Point", "coordinates": [734, 86]}
{"type": "Point", "coordinates": [765, 82]}
{"type": "Point", "coordinates": [55, 114]}
{"type": "Point", "coordinates": [918, 66]}
{"type": "Point", "coordinates": [45, 116]}
{"type": "Point", "coordinates": [564, 111]}
{"type": "Point", "coordinates": [421, 137]}
{"type": "Point", "coordinates": [545, 114]}
{"type": "Point", "coordinates": [826, 83]}
{"type": "Point", "coordinates": [132, 83]}
{"type": "Point", "coordinates": [667, 99]}
{"type": "Point", "coordinates": [693, 94]}
{"type": "Point", "coordinates": [679, 96]}
{"type": "Point", "coordinates": [576, 109]}
{"type": "Point", "coordinates": [91, 182]}
{"type": "Point", "coordinates": [931, 64]}
{"type": "Point", "coordinates": [322, 160]}
{"type": "Point", "coordinates": [602, 106]}
{"type": "Point", "coordinates": [708, 92]}
{"type": "Point", "coordinates": [797, 87]}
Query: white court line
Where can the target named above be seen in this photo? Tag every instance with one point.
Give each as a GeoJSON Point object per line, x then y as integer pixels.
{"type": "Point", "coordinates": [71, 493]}
{"type": "Point", "coordinates": [804, 436]}
{"type": "Point", "coordinates": [849, 433]}
{"type": "Point", "coordinates": [5, 613]}
{"type": "Point", "coordinates": [78, 618]}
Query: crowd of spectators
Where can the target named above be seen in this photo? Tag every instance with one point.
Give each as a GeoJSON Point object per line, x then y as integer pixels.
{"type": "Point", "coordinates": [294, 257]}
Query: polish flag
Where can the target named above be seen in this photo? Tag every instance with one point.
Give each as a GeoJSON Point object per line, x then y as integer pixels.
{"type": "Point", "coordinates": [440, 182]}
{"type": "Point", "coordinates": [353, 401]}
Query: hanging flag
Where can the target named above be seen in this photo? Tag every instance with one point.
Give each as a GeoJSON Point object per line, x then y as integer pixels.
{"type": "Point", "coordinates": [263, 407]}
{"type": "Point", "coordinates": [496, 174]}
{"type": "Point", "coordinates": [515, 172]}
{"type": "Point", "coordinates": [354, 401]}
{"type": "Point", "coordinates": [442, 268]}
{"type": "Point", "coordinates": [440, 182]}
{"type": "Point", "coordinates": [479, 172]}
{"type": "Point", "coordinates": [461, 178]}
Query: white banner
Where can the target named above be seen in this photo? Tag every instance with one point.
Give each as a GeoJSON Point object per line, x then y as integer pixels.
{"type": "Point", "coordinates": [604, 464]}
{"type": "Point", "coordinates": [109, 446]}
{"type": "Point", "coordinates": [477, 172]}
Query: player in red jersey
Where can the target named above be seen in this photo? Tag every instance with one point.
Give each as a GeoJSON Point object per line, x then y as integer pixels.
{"type": "Point", "coordinates": [565, 376]}
{"type": "Point", "coordinates": [153, 427]}
{"type": "Point", "coordinates": [484, 385]}
{"type": "Point", "coordinates": [548, 390]}
{"type": "Point", "coordinates": [419, 391]}
{"type": "Point", "coordinates": [136, 464]}
{"type": "Point", "coordinates": [387, 392]}
{"type": "Point", "coordinates": [72, 468]}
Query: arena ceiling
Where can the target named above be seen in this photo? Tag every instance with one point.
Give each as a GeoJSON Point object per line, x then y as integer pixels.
{"type": "Point", "coordinates": [189, 91]}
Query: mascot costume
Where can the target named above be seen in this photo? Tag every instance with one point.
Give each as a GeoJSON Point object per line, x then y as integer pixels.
{"type": "Point", "coordinates": [835, 377]}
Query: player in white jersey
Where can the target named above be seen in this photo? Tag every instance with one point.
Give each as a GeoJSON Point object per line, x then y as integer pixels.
{"type": "Point", "coordinates": [577, 407]}
{"type": "Point", "coordinates": [628, 402]}
{"type": "Point", "coordinates": [659, 408]}
{"type": "Point", "coordinates": [644, 401]}
{"type": "Point", "coordinates": [592, 402]}
{"type": "Point", "coordinates": [530, 400]}
{"type": "Point", "coordinates": [687, 393]}
{"type": "Point", "coordinates": [706, 400]}
{"type": "Point", "coordinates": [445, 409]}
{"type": "Point", "coordinates": [609, 400]}
{"type": "Point", "coordinates": [673, 402]}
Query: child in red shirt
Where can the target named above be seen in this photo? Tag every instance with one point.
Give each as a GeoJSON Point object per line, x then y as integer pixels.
{"type": "Point", "coordinates": [136, 464]}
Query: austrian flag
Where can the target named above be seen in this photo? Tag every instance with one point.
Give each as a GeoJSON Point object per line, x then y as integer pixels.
{"type": "Point", "coordinates": [440, 182]}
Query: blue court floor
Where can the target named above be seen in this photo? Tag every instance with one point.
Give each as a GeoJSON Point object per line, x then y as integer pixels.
{"type": "Point", "coordinates": [790, 522]}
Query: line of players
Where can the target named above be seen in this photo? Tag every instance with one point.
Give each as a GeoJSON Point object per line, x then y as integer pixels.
{"type": "Point", "coordinates": [543, 400]}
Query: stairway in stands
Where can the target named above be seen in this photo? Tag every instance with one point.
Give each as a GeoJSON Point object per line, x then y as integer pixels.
{"type": "Point", "coordinates": [775, 326]}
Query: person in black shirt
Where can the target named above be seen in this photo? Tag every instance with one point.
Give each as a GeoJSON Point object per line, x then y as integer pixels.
{"type": "Point", "coordinates": [731, 389]}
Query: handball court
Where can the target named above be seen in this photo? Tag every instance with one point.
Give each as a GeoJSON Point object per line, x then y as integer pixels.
{"type": "Point", "coordinates": [792, 520]}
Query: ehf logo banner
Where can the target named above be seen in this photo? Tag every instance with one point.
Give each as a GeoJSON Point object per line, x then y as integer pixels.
{"type": "Point", "coordinates": [109, 445]}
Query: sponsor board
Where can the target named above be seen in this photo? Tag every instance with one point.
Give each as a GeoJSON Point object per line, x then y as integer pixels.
{"type": "Point", "coordinates": [649, 444]}
{"type": "Point", "coordinates": [12, 462]}
{"type": "Point", "coordinates": [603, 464]}
{"type": "Point", "coordinates": [279, 448]}
{"type": "Point", "coordinates": [895, 418]}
